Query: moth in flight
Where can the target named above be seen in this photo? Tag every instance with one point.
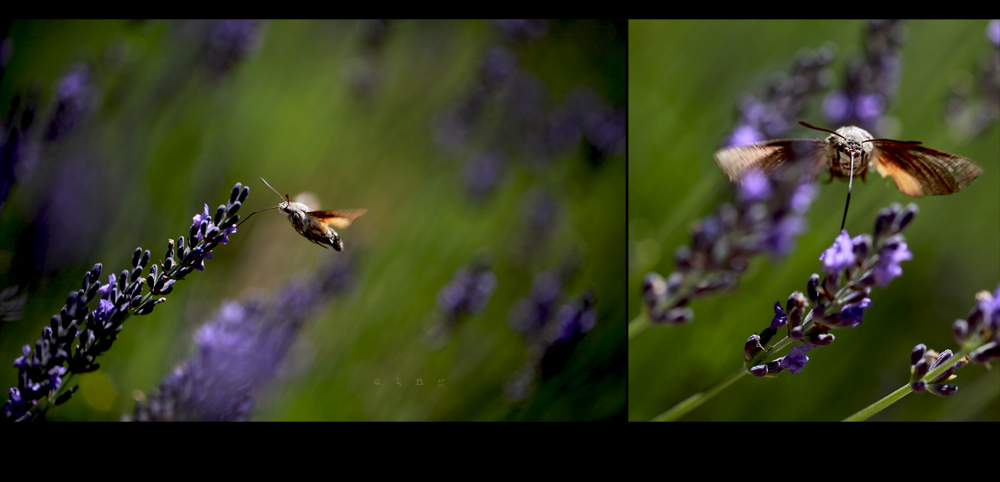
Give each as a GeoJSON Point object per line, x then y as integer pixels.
{"type": "Point", "coordinates": [316, 226]}
{"type": "Point", "coordinates": [851, 152]}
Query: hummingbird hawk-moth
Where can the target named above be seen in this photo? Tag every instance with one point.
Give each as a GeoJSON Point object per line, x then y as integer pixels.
{"type": "Point", "coordinates": [316, 226]}
{"type": "Point", "coordinates": [851, 152]}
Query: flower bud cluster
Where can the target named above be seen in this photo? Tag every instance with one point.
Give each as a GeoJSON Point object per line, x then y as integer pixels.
{"type": "Point", "coordinates": [767, 215]}
{"type": "Point", "coordinates": [922, 361]}
{"type": "Point", "coordinates": [839, 298]}
{"type": "Point", "coordinates": [41, 371]}
{"type": "Point", "coordinates": [872, 81]}
{"type": "Point", "coordinates": [773, 113]}
{"type": "Point", "coordinates": [972, 108]}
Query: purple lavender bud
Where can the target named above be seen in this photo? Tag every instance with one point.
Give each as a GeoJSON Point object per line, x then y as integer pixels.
{"type": "Point", "coordinates": [679, 315]}
{"type": "Point", "coordinates": [147, 307]}
{"type": "Point", "coordinates": [811, 288]}
{"type": "Point", "coordinates": [817, 338]}
{"type": "Point", "coordinates": [219, 213]}
{"type": "Point", "coordinates": [774, 367]}
{"type": "Point", "coordinates": [855, 295]}
{"type": "Point", "coordinates": [960, 328]}
{"type": "Point", "coordinates": [918, 386]}
{"type": "Point", "coordinates": [993, 32]}
{"type": "Point", "coordinates": [759, 371]}
{"type": "Point", "coordinates": [779, 316]}
{"type": "Point", "coordinates": [986, 353]}
{"type": "Point", "coordinates": [683, 258]}
{"type": "Point", "coordinates": [752, 347]}
{"type": "Point", "coordinates": [883, 221]}
{"type": "Point", "coordinates": [917, 354]}
{"type": "Point", "coordinates": [920, 369]}
{"type": "Point", "coordinates": [654, 288]}
{"type": "Point", "coordinates": [942, 390]}
{"type": "Point", "coordinates": [136, 256]}
{"type": "Point", "coordinates": [867, 279]}
{"type": "Point", "coordinates": [840, 255]}
{"type": "Point", "coordinates": [903, 219]}
{"type": "Point", "coordinates": [66, 396]}
{"type": "Point", "coordinates": [796, 359]}
{"type": "Point", "coordinates": [244, 193]}
{"type": "Point", "coordinates": [767, 335]}
{"type": "Point", "coordinates": [831, 284]}
{"type": "Point", "coordinates": [852, 314]}
{"type": "Point", "coordinates": [941, 358]}
{"type": "Point", "coordinates": [862, 245]}
{"type": "Point", "coordinates": [796, 309]}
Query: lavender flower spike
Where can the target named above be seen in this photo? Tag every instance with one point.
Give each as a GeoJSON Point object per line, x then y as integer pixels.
{"type": "Point", "coordinates": [79, 334]}
{"type": "Point", "coordinates": [840, 301]}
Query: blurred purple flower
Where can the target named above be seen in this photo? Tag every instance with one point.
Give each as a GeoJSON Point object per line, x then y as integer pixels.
{"type": "Point", "coordinates": [239, 352]}
{"type": "Point", "coordinates": [523, 30]}
{"type": "Point", "coordinates": [73, 96]}
{"type": "Point", "coordinates": [872, 81]}
{"type": "Point", "coordinates": [468, 292]}
{"type": "Point", "coordinates": [773, 112]}
{"type": "Point", "coordinates": [481, 174]}
{"type": "Point", "coordinates": [754, 188]}
{"type": "Point", "coordinates": [888, 267]}
{"type": "Point", "coordinates": [744, 135]}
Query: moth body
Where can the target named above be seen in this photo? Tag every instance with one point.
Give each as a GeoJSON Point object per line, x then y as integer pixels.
{"type": "Point", "coordinates": [310, 227]}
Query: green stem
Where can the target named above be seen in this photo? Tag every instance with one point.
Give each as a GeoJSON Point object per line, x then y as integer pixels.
{"type": "Point", "coordinates": [903, 391]}
{"type": "Point", "coordinates": [695, 401]}
{"type": "Point", "coordinates": [637, 325]}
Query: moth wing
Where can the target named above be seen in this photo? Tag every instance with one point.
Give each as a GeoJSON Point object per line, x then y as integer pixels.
{"type": "Point", "coordinates": [338, 219]}
{"type": "Point", "coordinates": [768, 156]}
{"type": "Point", "coordinates": [922, 171]}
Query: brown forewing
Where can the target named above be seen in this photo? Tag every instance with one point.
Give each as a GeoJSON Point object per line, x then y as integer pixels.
{"type": "Point", "coordinates": [922, 171]}
{"type": "Point", "coordinates": [767, 156]}
{"type": "Point", "coordinates": [338, 219]}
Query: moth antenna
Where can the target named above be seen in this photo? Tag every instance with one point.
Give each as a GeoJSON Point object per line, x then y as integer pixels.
{"type": "Point", "coordinates": [255, 212]}
{"type": "Point", "coordinates": [273, 189]}
{"type": "Point", "coordinates": [813, 127]}
{"type": "Point", "coordinates": [892, 140]}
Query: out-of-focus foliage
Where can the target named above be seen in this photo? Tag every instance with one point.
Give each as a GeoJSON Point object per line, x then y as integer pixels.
{"type": "Point", "coordinates": [126, 128]}
{"type": "Point", "coordinates": [686, 79]}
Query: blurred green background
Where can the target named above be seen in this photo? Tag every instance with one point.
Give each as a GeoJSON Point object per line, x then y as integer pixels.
{"type": "Point", "coordinates": [349, 114]}
{"type": "Point", "coordinates": [685, 78]}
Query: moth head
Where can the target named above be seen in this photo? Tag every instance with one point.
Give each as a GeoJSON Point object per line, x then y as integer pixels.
{"type": "Point", "coordinates": [851, 141]}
